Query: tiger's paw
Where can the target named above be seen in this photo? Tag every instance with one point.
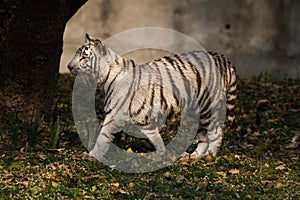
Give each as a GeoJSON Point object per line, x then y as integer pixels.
{"type": "Point", "coordinates": [195, 156]}
{"type": "Point", "coordinates": [87, 156]}
{"type": "Point", "coordinates": [207, 156]}
{"type": "Point", "coordinates": [185, 155]}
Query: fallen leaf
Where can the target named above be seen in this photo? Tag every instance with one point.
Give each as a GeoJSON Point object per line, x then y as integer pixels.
{"type": "Point", "coordinates": [37, 189]}
{"type": "Point", "coordinates": [54, 184]}
{"type": "Point", "coordinates": [256, 133]}
{"type": "Point", "coordinates": [115, 184]}
{"type": "Point", "coordinates": [122, 191]}
{"type": "Point", "coordinates": [223, 174]}
{"type": "Point", "coordinates": [273, 120]}
{"type": "Point", "coordinates": [131, 185]}
{"type": "Point", "coordinates": [227, 158]}
{"type": "Point", "coordinates": [208, 158]}
{"type": "Point", "coordinates": [24, 183]}
{"type": "Point", "coordinates": [234, 171]}
{"type": "Point", "coordinates": [183, 160]}
{"type": "Point", "coordinates": [280, 167]}
{"type": "Point", "coordinates": [41, 155]}
{"type": "Point", "coordinates": [267, 165]}
{"type": "Point", "coordinates": [166, 174]}
{"type": "Point", "coordinates": [263, 101]}
{"type": "Point", "coordinates": [279, 185]}
{"type": "Point", "coordinates": [180, 178]}
{"type": "Point", "coordinates": [94, 188]}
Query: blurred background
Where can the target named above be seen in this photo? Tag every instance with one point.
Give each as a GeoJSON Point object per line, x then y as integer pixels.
{"type": "Point", "coordinates": [258, 36]}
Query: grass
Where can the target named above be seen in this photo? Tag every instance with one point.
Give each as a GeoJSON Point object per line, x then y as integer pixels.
{"type": "Point", "coordinates": [253, 162]}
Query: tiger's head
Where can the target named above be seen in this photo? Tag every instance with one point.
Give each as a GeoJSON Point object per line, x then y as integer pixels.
{"type": "Point", "coordinates": [87, 56]}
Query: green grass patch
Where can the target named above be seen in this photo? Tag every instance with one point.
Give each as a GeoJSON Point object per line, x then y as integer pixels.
{"type": "Point", "coordinates": [43, 159]}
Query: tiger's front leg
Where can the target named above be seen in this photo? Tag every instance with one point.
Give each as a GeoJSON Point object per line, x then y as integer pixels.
{"type": "Point", "coordinates": [154, 137]}
{"type": "Point", "coordinates": [104, 138]}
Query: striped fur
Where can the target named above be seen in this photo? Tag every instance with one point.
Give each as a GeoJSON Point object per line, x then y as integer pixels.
{"type": "Point", "coordinates": [138, 94]}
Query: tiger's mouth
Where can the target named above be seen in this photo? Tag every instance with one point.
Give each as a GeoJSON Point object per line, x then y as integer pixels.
{"type": "Point", "coordinates": [82, 58]}
{"type": "Point", "coordinates": [72, 69]}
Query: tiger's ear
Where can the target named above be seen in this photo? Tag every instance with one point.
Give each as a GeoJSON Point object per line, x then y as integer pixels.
{"type": "Point", "coordinates": [88, 38]}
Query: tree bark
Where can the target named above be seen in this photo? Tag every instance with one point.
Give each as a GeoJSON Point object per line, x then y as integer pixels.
{"type": "Point", "coordinates": [31, 40]}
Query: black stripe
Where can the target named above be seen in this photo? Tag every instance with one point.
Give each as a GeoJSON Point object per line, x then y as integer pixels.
{"type": "Point", "coordinates": [168, 62]}
{"type": "Point", "coordinates": [116, 61]}
{"type": "Point", "coordinates": [176, 100]}
{"type": "Point", "coordinates": [152, 95]}
{"type": "Point", "coordinates": [139, 110]}
{"type": "Point", "coordinates": [169, 59]}
{"type": "Point", "coordinates": [107, 112]}
{"type": "Point", "coordinates": [130, 104]}
{"type": "Point", "coordinates": [163, 101]}
{"type": "Point", "coordinates": [124, 62]}
{"type": "Point", "coordinates": [222, 63]}
{"type": "Point", "coordinates": [109, 91]}
{"type": "Point", "coordinates": [211, 82]}
{"type": "Point", "coordinates": [139, 77]}
{"type": "Point", "coordinates": [172, 109]}
{"type": "Point", "coordinates": [179, 62]}
{"type": "Point", "coordinates": [198, 78]}
{"type": "Point", "coordinates": [179, 58]}
{"type": "Point", "coordinates": [185, 80]}
{"type": "Point", "coordinates": [194, 54]}
{"type": "Point", "coordinates": [169, 75]}
{"type": "Point", "coordinates": [205, 111]}
{"type": "Point", "coordinates": [220, 68]}
{"type": "Point", "coordinates": [201, 64]}
{"type": "Point", "coordinates": [138, 85]}
{"type": "Point", "coordinates": [204, 97]}
{"type": "Point", "coordinates": [133, 63]}
{"type": "Point", "coordinates": [112, 120]}
{"type": "Point", "coordinates": [107, 97]}
{"type": "Point", "coordinates": [207, 115]}
{"type": "Point", "coordinates": [225, 65]}
{"type": "Point", "coordinates": [173, 84]}
{"type": "Point", "coordinates": [129, 92]}
{"type": "Point", "coordinates": [106, 78]}
{"type": "Point", "coordinates": [205, 125]}
{"type": "Point", "coordinates": [197, 72]}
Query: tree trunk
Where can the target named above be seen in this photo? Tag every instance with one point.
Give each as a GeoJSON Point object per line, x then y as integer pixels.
{"type": "Point", "coordinates": [31, 40]}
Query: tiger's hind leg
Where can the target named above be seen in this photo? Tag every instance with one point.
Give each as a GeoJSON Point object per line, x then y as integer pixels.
{"type": "Point", "coordinates": [209, 143]}
{"type": "Point", "coordinates": [214, 141]}
{"type": "Point", "coordinates": [202, 145]}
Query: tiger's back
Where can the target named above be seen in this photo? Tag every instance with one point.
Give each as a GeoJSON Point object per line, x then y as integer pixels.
{"type": "Point", "coordinates": [162, 82]}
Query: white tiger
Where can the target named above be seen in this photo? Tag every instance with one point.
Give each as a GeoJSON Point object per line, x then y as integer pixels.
{"type": "Point", "coordinates": [137, 94]}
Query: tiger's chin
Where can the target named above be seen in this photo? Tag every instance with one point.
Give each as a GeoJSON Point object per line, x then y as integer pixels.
{"type": "Point", "coordinates": [74, 72]}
